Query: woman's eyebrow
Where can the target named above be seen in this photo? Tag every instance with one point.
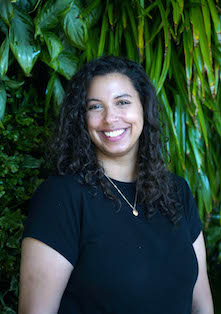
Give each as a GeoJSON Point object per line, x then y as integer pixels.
{"type": "Point", "coordinates": [95, 99]}
{"type": "Point", "coordinates": [124, 95]}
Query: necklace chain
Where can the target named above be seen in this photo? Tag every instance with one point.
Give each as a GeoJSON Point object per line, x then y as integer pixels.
{"type": "Point", "coordinates": [135, 212]}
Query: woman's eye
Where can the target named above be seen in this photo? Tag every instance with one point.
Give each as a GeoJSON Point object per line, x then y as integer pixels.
{"type": "Point", "coordinates": [123, 102]}
{"type": "Point", "coordinates": [94, 107]}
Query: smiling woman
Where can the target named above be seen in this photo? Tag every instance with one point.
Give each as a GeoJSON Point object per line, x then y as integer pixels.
{"type": "Point", "coordinates": [114, 119]}
{"type": "Point", "coordinates": [112, 231]}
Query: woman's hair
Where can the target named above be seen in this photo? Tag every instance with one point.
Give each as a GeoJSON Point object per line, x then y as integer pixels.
{"type": "Point", "coordinates": [72, 151]}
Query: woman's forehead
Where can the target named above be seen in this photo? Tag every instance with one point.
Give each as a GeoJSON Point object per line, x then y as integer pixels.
{"type": "Point", "coordinates": [113, 84]}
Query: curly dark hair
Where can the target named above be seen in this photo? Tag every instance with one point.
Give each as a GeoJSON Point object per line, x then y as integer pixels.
{"type": "Point", "coordinates": [72, 151]}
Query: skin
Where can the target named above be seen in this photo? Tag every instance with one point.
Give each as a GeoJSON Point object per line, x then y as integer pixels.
{"type": "Point", "coordinates": [108, 110]}
{"type": "Point", "coordinates": [202, 297]}
{"type": "Point", "coordinates": [44, 272]}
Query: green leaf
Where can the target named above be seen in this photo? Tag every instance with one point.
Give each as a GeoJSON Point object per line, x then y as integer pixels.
{"type": "Point", "coordinates": [156, 70]}
{"type": "Point", "coordinates": [58, 94]}
{"type": "Point", "coordinates": [92, 12]}
{"type": "Point", "coordinates": [31, 162]}
{"type": "Point", "coordinates": [196, 144]}
{"type": "Point", "coordinates": [111, 43]}
{"type": "Point", "coordinates": [216, 18]}
{"type": "Point", "coordinates": [199, 29]}
{"type": "Point", "coordinates": [54, 44]}
{"type": "Point", "coordinates": [11, 84]}
{"type": "Point", "coordinates": [199, 64]}
{"type": "Point", "coordinates": [6, 11]}
{"type": "Point", "coordinates": [187, 36]}
{"type": "Point", "coordinates": [165, 69]}
{"type": "Point", "coordinates": [74, 27]}
{"type": "Point", "coordinates": [27, 5]}
{"type": "Point", "coordinates": [4, 54]}
{"type": "Point", "coordinates": [214, 235]}
{"type": "Point", "coordinates": [148, 48]}
{"type": "Point", "coordinates": [48, 16]}
{"type": "Point", "coordinates": [66, 63]}
{"type": "Point", "coordinates": [179, 122]}
{"type": "Point", "coordinates": [110, 11]}
{"type": "Point", "coordinates": [3, 27]}
{"type": "Point", "coordinates": [206, 192]}
{"type": "Point", "coordinates": [3, 98]}
{"type": "Point", "coordinates": [132, 22]}
{"type": "Point", "coordinates": [91, 48]}
{"type": "Point", "coordinates": [129, 41]}
{"type": "Point", "coordinates": [165, 22]}
{"type": "Point", "coordinates": [103, 35]}
{"type": "Point", "coordinates": [207, 23]}
{"type": "Point", "coordinates": [21, 38]}
{"type": "Point", "coordinates": [148, 9]}
{"type": "Point", "coordinates": [48, 93]}
{"type": "Point", "coordinates": [176, 14]}
{"type": "Point", "coordinates": [170, 122]}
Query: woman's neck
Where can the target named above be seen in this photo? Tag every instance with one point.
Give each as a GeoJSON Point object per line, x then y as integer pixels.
{"type": "Point", "coordinates": [119, 168]}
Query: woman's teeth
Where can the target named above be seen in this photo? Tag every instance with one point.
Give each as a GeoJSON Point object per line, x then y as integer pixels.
{"type": "Point", "coordinates": [115, 133]}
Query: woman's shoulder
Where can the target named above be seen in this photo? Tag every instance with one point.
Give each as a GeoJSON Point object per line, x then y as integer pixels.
{"type": "Point", "coordinates": [71, 183]}
{"type": "Point", "coordinates": [181, 188]}
{"type": "Point", "coordinates": [180, 182]}
{"type": "Point", "coordinates": [177, 181]}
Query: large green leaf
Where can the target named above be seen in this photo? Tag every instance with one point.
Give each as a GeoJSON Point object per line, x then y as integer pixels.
{"type": "Point", "coordinates": [3, 98]}
{"type": "Point", "coordinates": [66, 63]}
{"type": "Point", "coordinates": [54, 44]}
{"type": "Point", "coordinates": [74, 27]}
{"type": "Point", "coordinates": [55, 90]}
{"type": "Point", "coordinates": [22, 43]}
{"type": "Point", "coordinates": [48, 16]}
{"type": "Point", "coordinates": [6, 11]}
{"type": "Point", "coordinates": [4, 53]}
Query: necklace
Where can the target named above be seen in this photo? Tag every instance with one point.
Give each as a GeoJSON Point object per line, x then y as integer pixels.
{"type": "Point", "coordinates": [135, 212]}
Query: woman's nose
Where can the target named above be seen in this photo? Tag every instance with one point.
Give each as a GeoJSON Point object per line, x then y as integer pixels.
{"type": "Point", "coordinates": [110, 115]}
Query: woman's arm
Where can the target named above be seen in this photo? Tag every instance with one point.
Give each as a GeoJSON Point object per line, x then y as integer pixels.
{"type": "Point", "coordinates": [202, 298]}
{"type": "Point", "coordinates": [44, 274]}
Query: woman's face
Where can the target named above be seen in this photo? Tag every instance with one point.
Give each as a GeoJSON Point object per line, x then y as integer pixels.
{"type": "Point", "coordinates": [114, 116]}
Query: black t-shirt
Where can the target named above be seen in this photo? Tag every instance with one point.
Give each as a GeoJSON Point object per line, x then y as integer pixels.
{"type": "Point", "coordinates": [122, 263]}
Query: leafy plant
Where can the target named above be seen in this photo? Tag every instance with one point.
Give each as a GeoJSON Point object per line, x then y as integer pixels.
{"type": "Point", "coordinates": [43, 43]}
{"type": "Point", "coordinates": [19, 171]}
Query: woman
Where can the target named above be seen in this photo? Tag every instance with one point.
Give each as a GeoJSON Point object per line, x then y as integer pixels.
{"type": "Point", "coordinates": [113, 231]}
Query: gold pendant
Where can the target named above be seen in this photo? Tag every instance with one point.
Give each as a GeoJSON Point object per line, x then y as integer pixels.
{"type": "Point", "coordinates": [135, 212]}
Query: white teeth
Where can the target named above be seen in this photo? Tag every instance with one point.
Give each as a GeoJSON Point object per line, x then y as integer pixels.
{"type": "Point", "coordinates": [114, 133]}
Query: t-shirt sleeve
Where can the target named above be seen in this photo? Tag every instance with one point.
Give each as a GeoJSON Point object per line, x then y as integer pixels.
{"type": "Point", "coordinates": [54, 217]}
{"type": "Point", "coordinates": [191, 213]}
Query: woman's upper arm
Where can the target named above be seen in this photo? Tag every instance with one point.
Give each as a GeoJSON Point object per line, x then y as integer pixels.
{"type": "Point", "coordinates": [44, 274]}
{"type": "Point", "coordinates": [202, 298]}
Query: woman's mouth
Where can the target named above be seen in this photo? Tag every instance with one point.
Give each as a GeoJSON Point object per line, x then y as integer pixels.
{"type": "Point", "coordinates": [115, 135]}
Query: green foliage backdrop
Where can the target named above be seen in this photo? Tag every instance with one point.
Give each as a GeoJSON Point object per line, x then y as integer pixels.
{"type": "Point", "coordinates": [43, 43]}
